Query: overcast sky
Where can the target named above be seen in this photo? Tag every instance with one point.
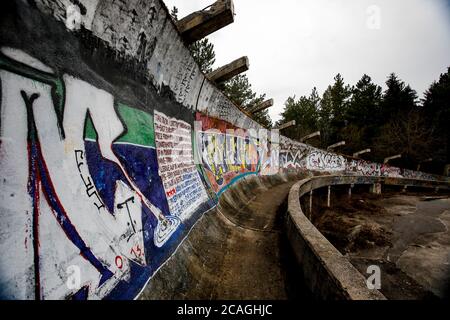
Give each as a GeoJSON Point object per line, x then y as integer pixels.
{"type": "Point", "coordinates": [295, 45]}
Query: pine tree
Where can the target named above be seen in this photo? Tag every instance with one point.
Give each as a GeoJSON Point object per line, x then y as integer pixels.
{"type": "Point", "coordinates": [436, 111]}
{"type": "Point", "coordinates": [305, 113]}
{"type": "Point", "coordinates": [398, 98]}
{"type": "Point", "coordinates": [174, 13]}
{"type": "Point", "coordinates": [402, 130]}
{"type": "Point", "coordinates": [333, 111]}
{"type": "Point", "coordinates": [239, 90]}
{"type": "Point", "coordinates": [363, 115]}
{"type": "Point", "coordinates": [203, 53]}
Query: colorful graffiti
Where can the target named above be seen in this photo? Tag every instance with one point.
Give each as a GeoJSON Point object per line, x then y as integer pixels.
{"type": "Point", "coordinates": [325, 161]}
{"type": "Point", "coordinates": [410, 174]}
{"type": "Point", "coordinates": [364, 168]}
{"type": "Point", "coordinates": [110, 188]}
{"type": "Point", "coordinates": [86, 171]}
{"type": "Point", "coordinates": [227, 153]}
{"type": "Point", "coordinates": [295, 155]}
{"type": "Point", "coordinates": [184, 189]}
{"type": "Point", "coordinates": [88, 181]}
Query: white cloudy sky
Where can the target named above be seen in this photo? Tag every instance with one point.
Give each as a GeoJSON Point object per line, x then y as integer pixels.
{"type": "Point", "coordinates": [294, 45]}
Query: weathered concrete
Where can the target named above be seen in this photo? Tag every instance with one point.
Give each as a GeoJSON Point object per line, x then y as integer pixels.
{"type": "Point", "coordinates": [405, 235]}
{"type": "Point", "coordinates": [421, 240]}
{"type": "Point", "coordinates": [327, 273]}
{"type": "Point", "coordinates": [89, 176]}
{"type": "Point", "coordinates": [229, 70]}
{"type": "Point", "coordinates": [234, 251]}
{"type": "Point", "coordinates": [263, 106]}
{"type": "Point", "coordinates": [286, 125]}
{"type": "Point", "coordinates": [201, 23]}
{"type": "Point", "coordinates": [376, 188]}
{"type": "Point", "coordinates": [357, 154]}
{"type": "Point", "coordinates": [334, 146]}
{"type": "Point", "coordinates": [318, 258]}
{"type": "Point", "coordinates": [310, 136]}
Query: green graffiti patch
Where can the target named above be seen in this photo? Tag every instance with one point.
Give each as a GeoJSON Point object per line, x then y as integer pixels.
{"type": "Point", "coordinates": [139, 127]}
{"type": "Point", "coordinates": [57, 84]}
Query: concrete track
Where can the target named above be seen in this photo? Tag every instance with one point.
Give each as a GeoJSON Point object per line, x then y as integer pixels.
{"type": "Point", "coordinates": [234, 252]}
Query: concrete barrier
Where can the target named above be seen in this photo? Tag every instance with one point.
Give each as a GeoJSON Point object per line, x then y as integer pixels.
{"type": "Point", "coordinates": [327, 273]}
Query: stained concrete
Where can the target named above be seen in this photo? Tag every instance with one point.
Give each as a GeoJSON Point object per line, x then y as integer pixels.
{"type": "Point", "coordinates": [422, 243]}
{"type": "Point", "coordinates": [236, 251]}
{"type": "Point", "coordinates": [406, 235]}
{"type": "Point", "coordinates": [326, 272]}
{"type": "Point", "coordinates": [252, 265]}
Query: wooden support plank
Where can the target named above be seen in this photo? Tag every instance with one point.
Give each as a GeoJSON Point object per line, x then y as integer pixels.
{"type": "Point", "coordinates": [446, 170]}
{"type": "Point", "coordinates": [310, 136]}
{"type": "Point", "coordinates": [263, 106]}
{"type": "Point", "coordinates": [386, 160]}
{"type": "Point", "coordinates": [357, 154]}
{"type": "Point", "coordinates": [333, 146]}
{"type": "Point", "coordinates": [201, 23]}
{"type": "Point", "coordinates": [424, 161]}
{"type": "Point", "coordinates": [329, 197]}
{"type": "Point", "coordinates": [286, 125]}
{"type": "Point", "coordinates": [229, 71]}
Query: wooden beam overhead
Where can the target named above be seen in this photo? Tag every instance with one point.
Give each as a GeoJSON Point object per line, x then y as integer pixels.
{"type": "Point", "coordinates": [334, 146]}
{"type": "Point", "coordinates": [310, 136]}
{"type": "Point", "coordinates": [357, 154]}
{"type": "Point", "coordinates": [424, 161]}
{"type": "Point", "coordinates": [201, 23]}
{"type": "Point", "coordinates": [286, 125]}
{"type": "Point", "coordinates": [229, 71]}
{"type": "Point", "coordinates": [386, 160]}
{"type": "Point", "coordinates": [263, 106]}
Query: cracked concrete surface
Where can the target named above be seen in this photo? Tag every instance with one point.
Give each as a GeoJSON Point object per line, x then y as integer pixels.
{"type": "Point", "coordinates": [414, 252]}
{"type": "Point", "coordinates": [234, 252]}
{"type": "Point", "coordinates": [425, 240]}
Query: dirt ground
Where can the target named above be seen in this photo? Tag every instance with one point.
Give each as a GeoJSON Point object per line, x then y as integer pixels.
{"type": "Point", "coordinates": [406, 235]}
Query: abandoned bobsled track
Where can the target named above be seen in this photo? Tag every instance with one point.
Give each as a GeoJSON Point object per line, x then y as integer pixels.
{"type": "Point", "coordinates": [126, 173]}
{"type": "Point", "coordinates": [237, 251]}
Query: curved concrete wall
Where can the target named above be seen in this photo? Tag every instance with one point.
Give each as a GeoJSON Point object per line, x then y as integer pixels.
{"type": "Point", "coordinates": [200, 267]}
{"type": "Point", "coordinates": [327, 273]}
{"type": "Point", "coordinates": [102, 172]}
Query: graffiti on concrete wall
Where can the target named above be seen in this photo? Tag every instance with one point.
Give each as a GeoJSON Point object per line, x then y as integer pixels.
{"type": "Point", "coordinates": [364, 168]}
{"type": "Point", "coordinates": [184, 189]}
{"type": "Point", "coordinates": [227, 153]}
{"type": "Point", "coordinates": [388, 171]}
{"type": "Point", "coordinates": [269, 146]}
{"type": "Point", "coordinates": [410, 174]}
{"type": "Point", "coordinates": [293, 155]}
{"type": "Point", "coordinates": [367, 168]}
{"type": "Point", "coordinates": [216, 105]}
{"type": "Point", "coordinates": [80, 185]}
{"type": "Point", "coordinates": [89, 182]}
{"type": "Point", "coordinates": [327, 161]}
{"type": "Point", "coordinates": [92, 183]}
